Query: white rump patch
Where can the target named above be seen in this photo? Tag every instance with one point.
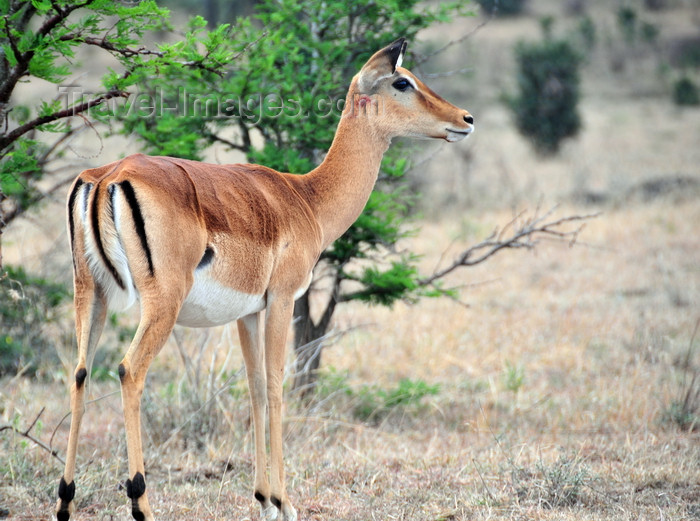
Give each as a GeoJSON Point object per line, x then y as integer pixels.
{"type": "Point", "coordinates": [117, 298]}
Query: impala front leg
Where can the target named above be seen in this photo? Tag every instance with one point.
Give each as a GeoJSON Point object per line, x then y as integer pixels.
{"type": "Point", "coordinates": [254, 356]}
{"type": "Point", "coordinates": [278, 318]}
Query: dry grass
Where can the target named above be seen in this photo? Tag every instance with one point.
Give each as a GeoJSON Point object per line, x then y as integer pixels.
{"type": "Point", "coordinates": [555, 380]}
{"type": "Point", "coordinates": [597, 332]}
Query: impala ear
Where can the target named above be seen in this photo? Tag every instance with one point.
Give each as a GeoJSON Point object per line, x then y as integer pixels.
{"type": "Point", "coordinates": [381, 65]}
{"type": "Point", "coordinates": [395, 52]}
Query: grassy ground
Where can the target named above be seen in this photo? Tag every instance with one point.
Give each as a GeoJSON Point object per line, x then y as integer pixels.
{"type": "Point", "coordinates": [552, 392]}
{"type": "Point", "coordinates": [550, 397]}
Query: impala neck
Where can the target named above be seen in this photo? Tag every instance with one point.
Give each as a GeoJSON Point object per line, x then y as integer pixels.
{"type": "Point", "coordinates": [341, 185]}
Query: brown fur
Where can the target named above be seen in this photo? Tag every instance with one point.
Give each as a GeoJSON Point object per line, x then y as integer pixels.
{"type": "Point", "coordinates": [266, 229]}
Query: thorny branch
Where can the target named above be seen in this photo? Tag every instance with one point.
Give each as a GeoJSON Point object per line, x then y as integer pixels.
{"type": "Point", "coordinates": [10, 137]}
{"type": "Point", "coordinates": [525, 232]}
{"type": "Point", "coordinates": [105, 44]}
{"type": "Point", "coordinates": [25, 434]}
{"type": "Point", "coordinates": [420, 61]}
{"type": "Point", "coordinates": [65, 416]}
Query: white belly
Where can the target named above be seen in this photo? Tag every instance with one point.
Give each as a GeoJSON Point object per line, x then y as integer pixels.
{"type": "Point", "coordinates": [210, 304]}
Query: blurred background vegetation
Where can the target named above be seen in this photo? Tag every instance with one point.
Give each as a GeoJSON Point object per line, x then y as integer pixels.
{"type": "Point", "coordinates": [109, 55]}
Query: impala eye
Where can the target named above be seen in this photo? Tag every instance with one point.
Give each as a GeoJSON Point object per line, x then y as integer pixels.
{"type": "Point", "coordinates": [401, 84]}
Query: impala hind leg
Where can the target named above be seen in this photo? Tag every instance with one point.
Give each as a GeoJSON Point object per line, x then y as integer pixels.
{"type": "Point", "coordinates": [91, 311]}
{"type": "Point", "coordinates": [157, 321]}
{"type": "Point", "coordinates": [249, 331]}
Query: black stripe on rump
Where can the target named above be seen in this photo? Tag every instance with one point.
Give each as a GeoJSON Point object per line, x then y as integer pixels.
{"type": "Point", "coordinates": [95, 219]}
{"type": "Point", "coordinates": [71, 203]}
{"type": "Point", "coordinates": [138, 220]}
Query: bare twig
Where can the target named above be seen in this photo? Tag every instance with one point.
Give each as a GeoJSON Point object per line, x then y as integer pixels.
{"type": "Point", "coordinates": [65, 416]}
{"type": "Point", "coordinates": [526, 233]}
{"type": "Point", "coordinates": [215, 394]}
{"type": "Point", "coordinates": [43, 159]}
{"type": "Point", "coordinates": [314, 347]}
{"type": "Point", "coordinates": [483, 481]}
{"type": "Point", "coordinates": [31, 426]}
{"type": "Point", "coordinates": [25, 434]}
{"type": "Point", "coordinates": [456, 41]}
{"type": "Point", "coordinates": [447, 74]}
{"type": "Point", "coordinates": [249, 45]}
{"type": "Point", "coordinates": [88, 124]}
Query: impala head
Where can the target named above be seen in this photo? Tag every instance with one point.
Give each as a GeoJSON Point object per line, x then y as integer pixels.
{"type": "Point", "coordinates": [401, 104]}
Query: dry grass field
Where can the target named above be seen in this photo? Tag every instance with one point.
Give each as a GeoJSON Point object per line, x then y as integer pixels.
{"type": "Point", "coordinates": [550, 392]}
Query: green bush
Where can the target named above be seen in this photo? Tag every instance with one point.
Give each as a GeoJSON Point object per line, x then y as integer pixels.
{"type": "Point", "coordinates": [375, 403]}
{"type": "Point", "coordinates": [546, 106]}
{"type": "Point", "coordinates": [587, 33]}
{"type": "Point", "coordinates": [627, 22]}
{"type": "Point", "coordinates": [28, 305]}
{"type": "Point", "coordinates": [503, 7]}
{"type": "Point", "coordinates": [685, 52]}
{"type": "Point", "coordinates": [686, 92]}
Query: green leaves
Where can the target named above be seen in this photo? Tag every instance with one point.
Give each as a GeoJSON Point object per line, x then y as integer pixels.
{"type": "Point", "coordinates": [27, 305]}
{"type": "Point", "coordinates": [19, 170]}
{"type": "Point", "coordinates": [273, 88]}
{"type": "Point", "coordinates": [40, 39]}
{"type": "Point", "coordinates": [375, 403]}
{"type": "Point", "coordinates": [42, 6]}
{"type": "Point", "coordinates": [386, 286]}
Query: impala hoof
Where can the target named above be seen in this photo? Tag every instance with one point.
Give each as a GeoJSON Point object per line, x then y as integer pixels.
{"type": "Point", "coordinates": [66, 493]}
{"type": "Point", "coordinates": [288, 511]}
{"type": "Point", "coordinates": [290, 514]}
{"type": "Point", "coordinates": [63, 512]}
{"type": "Point", "coordinates": [268, 513]}
{"type": "Point", "coordinates": [270, 510]}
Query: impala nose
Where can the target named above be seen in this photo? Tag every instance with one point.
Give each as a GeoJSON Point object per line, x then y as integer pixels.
{"type": "Point", "coordinates": [469, 119]}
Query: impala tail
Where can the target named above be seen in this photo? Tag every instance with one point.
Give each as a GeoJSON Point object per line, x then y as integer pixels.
{"type": "Point", "coordinates": [100, 213]}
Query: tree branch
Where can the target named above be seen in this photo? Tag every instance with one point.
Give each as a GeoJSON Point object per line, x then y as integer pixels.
{"type": "Point", "coordinates": [215, 137]}
{"type": "Point", "coordinates": [25, 434]}
{"type": "Point", "coordinates": [447, 74]}
{"type": "Point", "coordinates": [526, 233]}
{"type": "Point", "coordinates": [325, 319]}
{"type": "Point", "coordinates": [60, 16]}
{"type": "Point", "coordinates": [105, 44]}
{"type": "Point", "coordinates": [13, 43]}
{"type": "Point", "coordinates": [459, 40]}
{"type": "Point", "coordinates": [7, 86]}
{"type": "Point", "coordinates": [65, 416]}
{"type": "Point", "coordinates": [10, 137]}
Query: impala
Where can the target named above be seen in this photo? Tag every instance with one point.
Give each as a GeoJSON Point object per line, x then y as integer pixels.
{"type": "Point", "coordinates": [201, 245]}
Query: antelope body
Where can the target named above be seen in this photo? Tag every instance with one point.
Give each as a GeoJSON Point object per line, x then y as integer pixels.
{"type": "Point", "coordinates": [201, 245]}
